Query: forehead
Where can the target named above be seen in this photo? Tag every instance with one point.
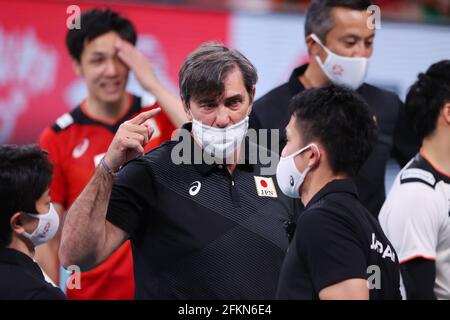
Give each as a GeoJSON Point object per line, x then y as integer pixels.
{"type": "Point", "coordinates": [101, 44]}
{"type": "Point", "coordinates": [348, 21]}
{"type": "Point", "coordinates": [234, 81]}
{"type": "Point", "coordinates": [233, 85]}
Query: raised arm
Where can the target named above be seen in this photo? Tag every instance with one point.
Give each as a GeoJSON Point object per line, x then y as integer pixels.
{"type": "Point", "coordinates": [87, 237]}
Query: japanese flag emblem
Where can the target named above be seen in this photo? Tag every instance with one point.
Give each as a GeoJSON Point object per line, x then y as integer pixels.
{"type": "Point", "coordinates": [265, 187]}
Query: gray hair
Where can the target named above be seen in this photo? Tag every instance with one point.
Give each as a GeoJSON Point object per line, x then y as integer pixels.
{"type": "Point", "coordinates": [203, 72]}
{"type": "Point", "coordinates": [318, 17]}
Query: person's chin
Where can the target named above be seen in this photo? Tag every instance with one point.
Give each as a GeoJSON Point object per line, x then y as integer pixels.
{"type": "Point", "coordinates": [113, 97]}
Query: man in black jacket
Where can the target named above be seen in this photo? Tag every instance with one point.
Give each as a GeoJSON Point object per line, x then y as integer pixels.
{"type": "Point", "coordinates": [340, 43]}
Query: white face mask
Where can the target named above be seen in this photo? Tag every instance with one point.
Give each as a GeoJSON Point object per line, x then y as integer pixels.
{"type": "Point", "coordinates": [220, 142]}
{"type": "Point", "coordinates": [47, 227]}
{"type": "Point", "coordinates": [344, 71]}
{"type": "Point", "coordinates": [288, 177]}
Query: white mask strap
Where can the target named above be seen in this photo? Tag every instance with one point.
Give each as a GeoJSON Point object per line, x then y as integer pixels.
{"type": "Point", "coordinates": [296, 153]}
{"type": "Point", "coordinates": [317, 40]}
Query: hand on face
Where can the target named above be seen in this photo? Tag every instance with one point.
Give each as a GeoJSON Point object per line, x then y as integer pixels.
{"type": "Point", "coordinates": [105, 73]}
{"type": "Point", "coordinates": [137, 62]}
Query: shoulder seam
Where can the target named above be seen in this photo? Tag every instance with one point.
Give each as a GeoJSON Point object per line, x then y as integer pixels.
{"type": "Point", "coordinates": [63, 122]}
{"type": "Point", "coordinates": [418, 175]}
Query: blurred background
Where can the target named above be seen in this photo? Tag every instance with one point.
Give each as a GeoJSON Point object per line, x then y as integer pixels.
{"type": "Point", "coordinates": [37, 83]}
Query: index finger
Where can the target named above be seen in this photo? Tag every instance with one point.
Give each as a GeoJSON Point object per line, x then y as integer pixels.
{"type": "Point", "coordinates": [144, 116]}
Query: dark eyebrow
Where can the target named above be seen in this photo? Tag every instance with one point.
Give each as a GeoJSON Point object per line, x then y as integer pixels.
{"type": "Point", "coordinates": [235, 97]}
{"type": "Point", "coordinates": [207, 101]}
{"type": "Point", "coordinates": [357, 37]}
{"type": "Point", "coordinates": [98, 54]}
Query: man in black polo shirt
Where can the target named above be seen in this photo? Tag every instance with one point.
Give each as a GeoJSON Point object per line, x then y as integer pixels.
{"type": "Point", "coordinates": [205, 220]}
{"type": "Point", "coordinates": [339, 250]}
{"type": "Point", "coordinates": [340, 44]}
{"type": "Point", "coordinates": [27, 220]}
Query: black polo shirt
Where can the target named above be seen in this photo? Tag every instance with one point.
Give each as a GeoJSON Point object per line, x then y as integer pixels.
{"type": "Point", "coordinates": [198, 232]}
{"type": "Point", "coordinates": [395, 138]}
{"type": "Point", "coordinates": [338, 239]}
{"type": "Point", "coordinates": [22, 279]}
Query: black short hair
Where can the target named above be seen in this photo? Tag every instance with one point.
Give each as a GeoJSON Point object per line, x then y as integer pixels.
{"type": "Point", "coordinates": [318, 16]}
{"type": "Point", "coordinates": [427, 96]}
{"type": "Point", "coordinates": [339, 119]}
{"type": "Point", "coordinates": [94, 23]}
{"type": "Point", "coordinates": [203, 72]}
{"type": "Point", "coordinates": [25, 174]}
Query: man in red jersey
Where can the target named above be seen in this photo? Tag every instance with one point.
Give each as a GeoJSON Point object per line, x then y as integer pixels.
{"type": "Point", "coordinates": [103, 53]}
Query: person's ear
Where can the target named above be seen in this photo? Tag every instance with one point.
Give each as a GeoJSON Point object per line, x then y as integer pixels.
{"type": "Point", "coordinates": [187, 109]}
{"type": "Point", "coordinates": [313, 47]}
{"type": "Point", "coordinates": [314, 156]}
{"type": "Point", "coordinates": [16, 223]}
{"type": "Point", "coordinates": [76, 66]}
{"type": "Point", "coordinates": [446, 113]}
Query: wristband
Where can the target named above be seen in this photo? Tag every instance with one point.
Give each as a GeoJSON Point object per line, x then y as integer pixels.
{"type": "Point", "coordinates": [107, 168]}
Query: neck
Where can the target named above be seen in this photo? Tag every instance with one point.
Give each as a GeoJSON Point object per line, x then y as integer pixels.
{"type": "Point", "coordinates": [232, 163]}
{"type": "Point", "coordinates": [21, 246]}
{"type": "Point", "coordinates": [106, 111]}
{"type": "Point", "coordinates": [313, 76]}
{"type": "Point", "coordinates": [231, 167]}
{"type": "Point", "coordinates": [316, 183]}
{"type": "Point", "coordinates": [437, 149]}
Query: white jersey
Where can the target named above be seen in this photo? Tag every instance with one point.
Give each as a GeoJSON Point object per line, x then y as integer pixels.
{"type": "Point", "coordinates": [416, 219]}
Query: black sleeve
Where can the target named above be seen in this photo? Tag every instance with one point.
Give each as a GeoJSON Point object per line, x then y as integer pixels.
{"type": "Point", "coordinates": [265, 140]}
{"type": "Point", "coordinates": [131, 193]}
{"type": "Point", "coordinates": [418, 277]}
{"type": "Point", "coordinates": [406, 142]}
{"type": "Point", "coordinates": [330, 248]}
{"type": "Point", "coordinates": [47, 293]}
